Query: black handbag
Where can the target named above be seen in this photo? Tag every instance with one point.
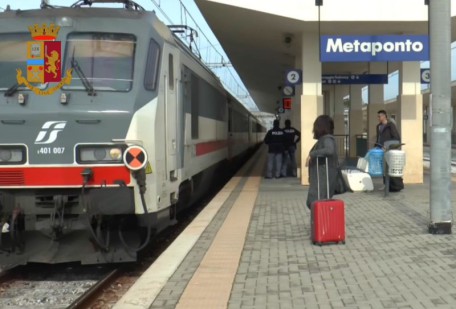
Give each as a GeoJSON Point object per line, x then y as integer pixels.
{"type": "Point", "coordinates": [340, 185]}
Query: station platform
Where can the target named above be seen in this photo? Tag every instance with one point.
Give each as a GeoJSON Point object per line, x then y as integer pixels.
{"type": "Point", "coordinates": [250, 248]}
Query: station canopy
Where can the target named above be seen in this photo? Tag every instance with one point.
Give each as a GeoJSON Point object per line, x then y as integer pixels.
{"type": "Point", "coordinates": [263, 43]}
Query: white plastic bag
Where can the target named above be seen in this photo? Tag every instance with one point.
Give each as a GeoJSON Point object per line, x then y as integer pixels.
{"type": "Point", "coordinates": [363, 165]}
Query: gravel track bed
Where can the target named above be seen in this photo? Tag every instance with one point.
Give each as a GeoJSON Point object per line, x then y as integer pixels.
{"type": "Point", "coordinates": [47, 286]}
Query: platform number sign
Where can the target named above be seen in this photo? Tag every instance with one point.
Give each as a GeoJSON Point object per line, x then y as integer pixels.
{"type": "Point", "coordinates": [425, 76]}
{"type": "Point", "coordinates": [294, 77]}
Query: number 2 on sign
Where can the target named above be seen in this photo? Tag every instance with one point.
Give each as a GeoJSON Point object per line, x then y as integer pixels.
{"type": "Point", "coordinates": [293, 77]}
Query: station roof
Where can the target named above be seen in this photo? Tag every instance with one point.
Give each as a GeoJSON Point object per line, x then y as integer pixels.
{"type": "Point", "coordinates": [253, 34]}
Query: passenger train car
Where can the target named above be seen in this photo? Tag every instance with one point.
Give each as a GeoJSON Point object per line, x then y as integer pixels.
{"type": "Point", "coordinates": [93, 165]}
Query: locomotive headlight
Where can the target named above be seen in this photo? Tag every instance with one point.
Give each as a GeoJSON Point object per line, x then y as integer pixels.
{"type": "Point", "coordinates": [99, 154]}
{"type": "Point", "coordinates": [12, 154]}
{"type": "Point", "coordinates": [115, 153]}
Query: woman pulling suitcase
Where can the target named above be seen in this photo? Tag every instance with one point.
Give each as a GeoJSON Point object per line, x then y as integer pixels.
{"type": "Point", "coordinates": [327, 215]}
{"type": "Point", "coordinates": [323, 130]}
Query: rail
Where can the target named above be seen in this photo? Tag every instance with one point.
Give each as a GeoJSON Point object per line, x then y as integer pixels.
{"type": "Point", "coordinates": [90, 294]}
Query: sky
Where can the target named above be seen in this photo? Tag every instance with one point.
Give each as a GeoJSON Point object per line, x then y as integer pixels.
{"type": "Point", "coordinates": [174, 12]}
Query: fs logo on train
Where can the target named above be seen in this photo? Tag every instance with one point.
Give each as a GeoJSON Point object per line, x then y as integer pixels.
{"type": "Point", "coordinates": [44, 61]}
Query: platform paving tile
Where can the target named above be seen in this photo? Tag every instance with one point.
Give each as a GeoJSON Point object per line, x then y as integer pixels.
{"type": "Point", "coordinates": [173, 290]}
{"type": "Point", "coordinates": [389, 260]}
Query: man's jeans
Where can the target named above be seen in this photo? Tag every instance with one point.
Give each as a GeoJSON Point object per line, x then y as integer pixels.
{"type": "Point", "coordinates": [289, 158]}
{"type": "Point", "coordinates": [277, 159]}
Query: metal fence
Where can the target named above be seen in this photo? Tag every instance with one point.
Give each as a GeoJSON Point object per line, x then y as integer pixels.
{"type": "Point", "coordinates": [343, 146]}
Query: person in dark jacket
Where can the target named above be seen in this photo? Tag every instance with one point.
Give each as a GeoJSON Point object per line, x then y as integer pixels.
{"type": "Point", "coordinates": [275, 139]}
{"type": "Point", "coordinates": [323, 130]}
{"type": "Point", "coordinates": [292, 137]}
{"type": "Point", "coordinates": [386, 130]}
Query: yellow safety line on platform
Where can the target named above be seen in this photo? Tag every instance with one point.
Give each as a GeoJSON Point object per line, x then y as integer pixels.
{"type": "Point", "coordinates": [143, 293]}
{"type": "Point", "coordinates": [148, 286]}
{"type": "Point", "coordinates": [210, 286]}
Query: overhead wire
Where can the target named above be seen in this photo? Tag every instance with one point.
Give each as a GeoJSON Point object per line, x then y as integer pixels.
{"type": "Point", "coordinates": [185, 15]}
{"type": "Point", "coordinates": [158, 6]}
{"type": "Point", "coordinates": [222, 58]}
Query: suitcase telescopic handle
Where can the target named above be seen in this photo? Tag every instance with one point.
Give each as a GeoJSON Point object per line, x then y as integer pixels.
{"type": "Point", "coordinates": [327, 178]}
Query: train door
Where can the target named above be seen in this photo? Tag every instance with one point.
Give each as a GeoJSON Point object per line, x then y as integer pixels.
{"type": "Point", "coordinates": [172, 103]}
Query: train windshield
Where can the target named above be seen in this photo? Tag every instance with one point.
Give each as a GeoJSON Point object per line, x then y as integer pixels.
{"type": "Point", "coordinates": [102, 61]}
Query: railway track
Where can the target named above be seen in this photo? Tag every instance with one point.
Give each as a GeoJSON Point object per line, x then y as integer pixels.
{"type": "Point", "coordinates": [91, 294]}
{"type": "Point", "coordinates": [50, 286]}
{"type": "Point", "coordinates": [75, 286]}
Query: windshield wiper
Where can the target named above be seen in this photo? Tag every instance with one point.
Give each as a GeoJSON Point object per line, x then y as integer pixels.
{"type": "Point", "coordinates": [82, 77]}
{"type": "Point", "coordinates": [11, 90]}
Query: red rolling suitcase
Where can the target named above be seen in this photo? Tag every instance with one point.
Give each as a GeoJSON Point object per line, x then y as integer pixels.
{"type": "Point", "coordinates": [327, 217]}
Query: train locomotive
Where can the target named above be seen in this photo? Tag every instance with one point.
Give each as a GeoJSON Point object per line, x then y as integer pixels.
{"type": "Point", "coordinates": [94, 164]}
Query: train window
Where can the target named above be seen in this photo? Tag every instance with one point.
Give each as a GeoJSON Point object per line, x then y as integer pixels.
{"type": "Point", "coordinates": [195, 101]}
{"type": "Point", "coordinates": [150, 80]}
{"type": "Point", "coordinates": [171, 72]}
{"type": "Point", "coordinates": [106, 60]}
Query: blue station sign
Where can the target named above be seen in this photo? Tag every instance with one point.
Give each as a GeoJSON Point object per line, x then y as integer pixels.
{"type": "Point", "coordinates": [374, 48]}
{"type": "Point", "coordinates": [353, 79]}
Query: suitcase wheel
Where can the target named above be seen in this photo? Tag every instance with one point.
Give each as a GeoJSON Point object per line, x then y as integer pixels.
{"type": "Point", "coordinates": [343, 242]}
